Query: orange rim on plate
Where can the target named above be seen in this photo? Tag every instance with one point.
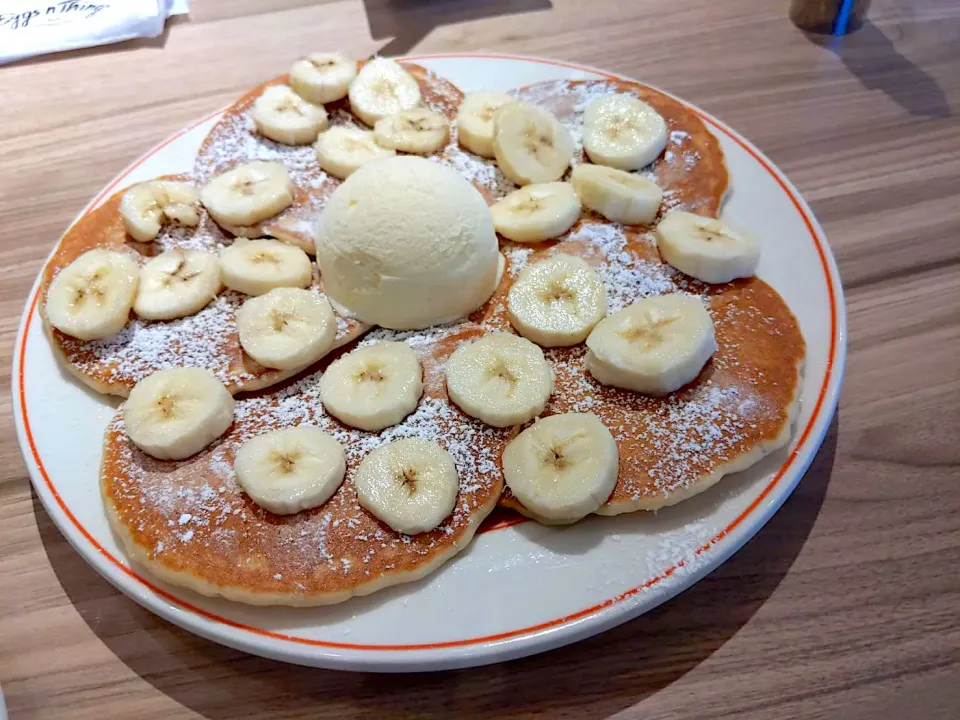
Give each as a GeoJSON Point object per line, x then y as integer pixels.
{"type": "Point", "coordinates": [791, 459]}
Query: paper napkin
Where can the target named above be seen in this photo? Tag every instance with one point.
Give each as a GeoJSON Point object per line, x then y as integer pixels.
{"type": "Point", "coordinates": [29, 28]}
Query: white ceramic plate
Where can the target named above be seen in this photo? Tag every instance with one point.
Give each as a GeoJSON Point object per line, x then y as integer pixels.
{"type": "Point", "coordinates": [518, 590]}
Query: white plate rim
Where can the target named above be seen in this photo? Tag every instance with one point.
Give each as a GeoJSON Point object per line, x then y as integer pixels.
{"type": "Point", "coordinates": [473, 651]}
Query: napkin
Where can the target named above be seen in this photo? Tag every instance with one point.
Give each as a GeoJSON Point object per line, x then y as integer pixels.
{"type": "Point", "coordinates": [29, 28]}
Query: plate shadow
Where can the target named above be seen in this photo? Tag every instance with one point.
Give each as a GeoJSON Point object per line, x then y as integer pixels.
{"type": "Point", "coordinates": [609, 672]}
{"type": "Point", "coordinates": [407, 22]}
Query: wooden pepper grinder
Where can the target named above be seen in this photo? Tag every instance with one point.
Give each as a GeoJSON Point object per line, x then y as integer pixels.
{"type": "Point", "coordinates": [835, 17]}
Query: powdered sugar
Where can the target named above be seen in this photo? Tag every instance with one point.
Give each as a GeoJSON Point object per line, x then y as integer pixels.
{"type": "Point", "coordinates": [518, 257]}
{"type": "Point", "coordinates": [205, 236]}
{"type": "Point", "coordinates": [417, 339]}
{"type": "Point", "coordinates": [234, 141]}
{"type": "Point", "coordinates": [627, 277]}
{"type": "Point", "coordinates": [690, 431]}
{"type": "Point", "coordinates": [143, 347]}
{"type": "Point", "coordinates": [482, 173]}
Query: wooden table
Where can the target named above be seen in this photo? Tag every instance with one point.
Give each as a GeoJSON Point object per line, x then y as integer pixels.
{"type": "Point", "coordinates": [847, 605]}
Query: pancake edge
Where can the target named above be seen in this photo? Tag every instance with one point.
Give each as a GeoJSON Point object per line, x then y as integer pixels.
{"type": "Point", "coordinates": [258, 383]}
{"type": "Point", "coordinates": [191, 582]}
{"type": "Point", "coordinates": [744, 462]}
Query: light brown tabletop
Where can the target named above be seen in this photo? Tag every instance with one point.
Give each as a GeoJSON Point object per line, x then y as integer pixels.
{"type": "Point", "coordinates": [847, 605]}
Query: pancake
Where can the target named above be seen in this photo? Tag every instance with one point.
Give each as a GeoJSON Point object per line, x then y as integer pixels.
{"type": "Point", "coordinates": [740, 408]}
{"type": "Point", "coordinates": [190, 524]}
{"type": "Point", "coordinates": [234, 141]}
{"type": "Point", "coordinates": [691, 170]}
{"type": "Point", "coordinates": [743, 404]}
{"type": "Point", "coordinates": [206, 339]}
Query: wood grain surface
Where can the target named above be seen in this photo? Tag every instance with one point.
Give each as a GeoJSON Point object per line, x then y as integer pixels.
{"type": "Point", "coordinates": [847, 605]}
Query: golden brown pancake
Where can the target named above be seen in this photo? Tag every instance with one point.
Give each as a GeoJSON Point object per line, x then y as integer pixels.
{"type": "Point", "coordinates": [691, 170]}
{"type": "Point", "coordinates": [191, 525]}
{"type": "Point", "coordinates": [207, 339]}
{"type": "Point", "coordinates": [739, 409]}
{"type": "Point", "coordinates": [234, 141]}
{"type": "Point", "coordinates": [742, 405]}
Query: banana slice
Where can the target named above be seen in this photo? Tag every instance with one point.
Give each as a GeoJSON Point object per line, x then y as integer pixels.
{"type": "Point", "coordinates": [290, 470]}
{"type": "Point", "coordinates": [623, 132]}
{"type": "Point", "coordinates": [282, 115]}
{"type": "Point", "coordinates": [373, 387]}
{"type": "Point", "coordinates": [382, 88]}
{"type": "Point", "coordinates": [177, 283]}
{"type": "Point", "coordinates": [248, 194]}
{"type": "Point", "coordinates": [341, 151]}
{"type": "Point", "coordinates": [705, 248]}
{"type": "Point", "coordinates": [256, 267]}
{"type": "Point", "coordinates": [287, 328]}
{"type": "Point", "coordinates": [322, 77]}
{"type": "Point", "coordinates": [617, 195]}
{"type": "Point", "coordinates": [174, 414]}
{"type": "Point", "coordinates": [92, 296]}
{"type": "Point", "coordinates": [563, 467]}
{"type": "Point", "coordinates": [500, 379]}
{"type": "Point", "coordinates": [147, 206]}
{"type": "Point", "coordinates": [557, 302]}
{"type": "Point", "coordinates": [655, 346]}
{"type": "Point", "coordinates": [419, 131]}
{"type": "Point", "coordinates": [475, 127]}
{"type": "Point", "coordinates": [410, 484]}
{"type": "Point", "coordinates": [536, 212]}
{"type": "Point", "coordinates": [530, 144]}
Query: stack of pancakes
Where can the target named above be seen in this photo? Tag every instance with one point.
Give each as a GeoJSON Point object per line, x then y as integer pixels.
{"type": "Point", "coordinates": [189, 522]}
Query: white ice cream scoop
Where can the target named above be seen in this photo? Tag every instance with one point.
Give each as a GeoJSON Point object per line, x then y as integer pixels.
{"type": "Point", "coordinates": [406, 243]}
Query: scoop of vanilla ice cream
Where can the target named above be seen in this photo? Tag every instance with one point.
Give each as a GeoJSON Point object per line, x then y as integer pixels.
{"type": "Point", "coordinates": [406, 243]}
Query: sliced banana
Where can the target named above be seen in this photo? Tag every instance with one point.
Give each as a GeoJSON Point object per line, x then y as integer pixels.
{"type": "Point", "coordinates": [256, 267]}
{"type": "Point", "coordinates": [617, 195]}
{"type": "Point", "coordinates": [536, 213]}
{"type": "Point", "coordinates": [290, 470]}
{"type": "Point", "coordinates": [705, 248]}
{"type": "Point", "coordinates": [420, 131]}
{"type": "Point", "coordinates": [92, 296]}
{"type": "Point", "coordinates": [655, 346]}
{"type": "Point", "coordinates": [322, 78]}
{"type": "Point", "coordinates": [563, 467]}
{"type": "Point", "coordinates": [382, 88]}
{"type": "Point", "coordinates": [501, 379]}
{"type": "Point", "coordinates": [282, 115]}
{"type": "Point", "coordinates": [174, 414]}
{"type": "Point", "coordinates": [623, 132]}
{"type": "Point", "coordinates": [341, 151]}
{"type": "Point", "coordinates": [373, 387]}
{"type": "Point", "coordinates": [558, 301]}
{"type": "Point", "coordinates": [410, 484]}
{"type": "Point", "coordinates": [286, 328]}
{"type": "Point", "coordinates": [177, 283]}
{"type": "Point", "coordinates": [145, 207]}
{"type": "Point", "coordinates": [249, 193]}
{"type": "Point", "coordinates": [530, 144]}
{"type": "Point", "coordinates": [475, 127]}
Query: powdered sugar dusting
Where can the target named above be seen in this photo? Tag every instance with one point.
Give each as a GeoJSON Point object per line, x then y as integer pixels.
{"type": "Point", "coordinates": [205, 236]}
{"type": "Point", "coordinates": [689, 431]}
{"type": "Point", "coordinates": [234, 141]}
{"type": "Point", "coordinates": [518, 257]}
{"type": "Point", "coordinates": [481, 172]}
{"type": "Point", "coordinates": [417, 339]}
{"type": "Point", "coordinates": [628, 278]}
{"type": "Point", "coordinates": [143, 347]}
